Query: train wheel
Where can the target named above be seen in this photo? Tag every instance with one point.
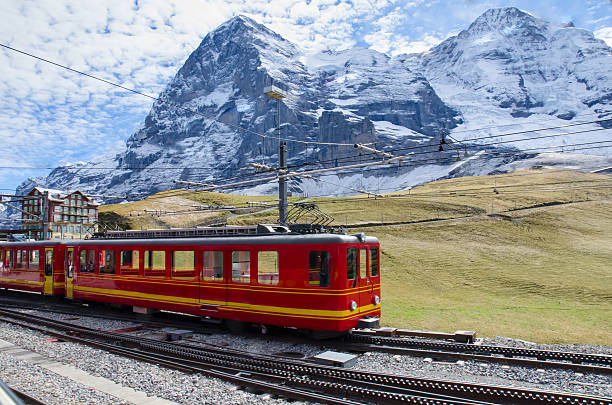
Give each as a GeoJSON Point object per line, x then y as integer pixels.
{"type": "Point", "coordinates": [324, 334]}
{"type": "Point", "coordinates": [238, 327]}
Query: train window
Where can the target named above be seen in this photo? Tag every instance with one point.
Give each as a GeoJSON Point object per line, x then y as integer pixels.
{"type": "Point", "coordinates": [129, 262]}
{"type": "Point", "coordinates": [69, 263]}
{"type": "Point", "coordinates": [107, 264]}
{"type": "Point", "coordinates": [241, 266]}
{"type": "Point", "coordinates": [48, 262]}
{"type": "Point", "coordinates": [34, 259]}
{"type": "Point", "coordinates": [22, 256]}
{"type": "Point", "coordinates": [212, 266]}
{"type": "Point", "coordinates": [87, 261]}
{"type": "Point", "coordinates": [351, 263]}
{"type": "Point", "coordinates": [363, 263]}
{"type": "Point", "coordinates": [374, 265]}
{"type": "Point", "coordinates": [318, 269]}
{"type": "Point", "coordinates": [267, 267]}
{"type": "Point", "coordinates": [154, 263]}
{"type": "Point", "coordinates": [183, 264]}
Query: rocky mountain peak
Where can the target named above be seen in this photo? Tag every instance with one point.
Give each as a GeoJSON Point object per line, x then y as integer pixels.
{"type": "Point", "coordinates": [509, 27]}
{"type": "Point", "coordinates": [243, 25]}
{"type": "Point", "coordinates": [506, 20]}
{"type": "Point", "coordinates": [209, 122]}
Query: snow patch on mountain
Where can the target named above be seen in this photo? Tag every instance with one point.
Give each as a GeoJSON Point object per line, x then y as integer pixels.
{"type": "Point", "coordinates": [494, 87]}
{"type": "Point", "coordinates": [509, 70]}
{"type": "Point", "coordinates": [561, 161]}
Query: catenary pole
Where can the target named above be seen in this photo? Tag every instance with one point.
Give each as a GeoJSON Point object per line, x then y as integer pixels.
{"type": "Point", "coordinates": [275, 92]}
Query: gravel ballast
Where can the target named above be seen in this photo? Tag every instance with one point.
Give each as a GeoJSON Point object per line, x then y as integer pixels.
{"type": "Point", "coordinates": [188, 389]}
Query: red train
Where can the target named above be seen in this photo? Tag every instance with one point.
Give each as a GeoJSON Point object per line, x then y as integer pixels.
{"type": "Point", "coordinates": [247, 275]}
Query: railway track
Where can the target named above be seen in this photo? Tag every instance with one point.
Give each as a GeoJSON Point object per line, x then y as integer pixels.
{"type": "Point", "coordinates": [162, 320]}
{"type": "Point", "coordinates": [27, 399]}
{"type": "Point", "coordinates": [297, 379]}
{"type": "Point", "coordinates": [13, 396]}
{"type": "Point", "coordinates": [365, 342]}
{"type": "Point", "coordinates": [361, 342]}
{"type": "Point", "coordinates": [582, 362]}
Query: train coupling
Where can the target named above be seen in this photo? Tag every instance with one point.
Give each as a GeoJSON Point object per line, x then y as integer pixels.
{"type": "Point", "coordinates": [369, 322]}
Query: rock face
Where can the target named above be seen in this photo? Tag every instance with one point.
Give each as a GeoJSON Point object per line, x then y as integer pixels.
{"type": "Point", "coordinates": [505, 68]}
{"type": "Point", "coordinates": [509, 65]}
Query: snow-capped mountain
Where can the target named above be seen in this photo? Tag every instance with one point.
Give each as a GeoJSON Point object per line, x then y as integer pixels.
{"type": "Point", "coordinates": [508, 68]}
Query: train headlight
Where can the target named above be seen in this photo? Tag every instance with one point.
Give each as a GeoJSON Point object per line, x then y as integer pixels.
{"type": "Point", "coordinates": [353, 306]}
{"type": "Point", "coordinates": [376, 300]}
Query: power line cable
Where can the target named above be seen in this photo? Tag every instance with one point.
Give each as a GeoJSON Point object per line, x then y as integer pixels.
{"type": "Point", "coordinates": [311, 172]}
{"type": "Point", "coordinates": [254, 132]}
{"type": "Point", "coordinates": [455, 193]}
{"type": "Point", "coordinates": [304, 142]}
{"type": "Point", "coordinates": [167, 102]}
{"type": "Point", "coordinates": [573, 147]}
{"type": "Point", "coordinates": [476, 192]}
{"type": "Point", "coordinates": [183, 192]}
{"type": "Point", "coordinates": [373, 158]}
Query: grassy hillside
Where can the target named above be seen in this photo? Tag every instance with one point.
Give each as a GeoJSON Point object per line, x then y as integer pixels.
{"type": "Point", "coordinates": [538, 268]}
{"type": "Point", "coordinates": [545, 276]}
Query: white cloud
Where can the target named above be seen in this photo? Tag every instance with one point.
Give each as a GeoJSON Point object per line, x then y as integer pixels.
{"type": "Point", "coordinates": [51, 115]}
{"type": "Point", "coordinates": [604, 34]}
{"type": "Point", "coordinates": [422, 45]}
{"type": "Point", "coordinates": [301, 11]}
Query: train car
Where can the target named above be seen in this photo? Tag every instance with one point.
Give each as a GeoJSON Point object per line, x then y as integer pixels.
{"type": "Point", "coordinates": [317, 282]}
{"type": "Point", "coordinates": [33, 266]}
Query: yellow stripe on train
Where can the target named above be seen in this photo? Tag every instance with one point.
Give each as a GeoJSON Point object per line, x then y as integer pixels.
{"type": "Point", "coordinates": [18, 281]}
{"type": "Point", "coordinates": [232, 306]}
{"type": "Point", "coordinates": [238, 287]}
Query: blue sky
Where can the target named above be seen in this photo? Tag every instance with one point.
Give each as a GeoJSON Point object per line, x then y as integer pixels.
{"type": "Point", "coordinates": [50, 117]}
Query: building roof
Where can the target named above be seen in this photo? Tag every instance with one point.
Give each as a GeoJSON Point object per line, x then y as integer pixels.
{"type": "Point", "coordinates": [60, 195]}
{"type": "Point", "coordinates": [54, 195]}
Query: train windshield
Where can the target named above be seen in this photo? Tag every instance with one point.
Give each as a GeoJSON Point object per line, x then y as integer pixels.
{"type": "Point", "coordinates": [351, 263]}
{"type": "Point", "coordinates": [318, 269]}
{"type": "Point", "coordinates": [374, 263]}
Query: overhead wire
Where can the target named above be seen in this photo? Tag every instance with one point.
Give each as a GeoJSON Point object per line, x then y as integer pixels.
{"type": "Point", "coordinates": [186, 192]}
{"type": "Point", "coordinates": [232, 185]}
{"type": "Point", "coordinates": [353, 158]}
{"type": "Point", "coordinates": [482, 191]}
{"type": "Point", "coordinates": [574, 147]}
{"type": "Point", "coordinates": [474, 192]}
{"type": "Point", "coordinates": [262, 135]}
{"type": "Point", "coordinates": [238, 127]}
{"type": "Point", "coordinates": [160, 99]}
{"type": "Point", "coordinates": [253, 132]}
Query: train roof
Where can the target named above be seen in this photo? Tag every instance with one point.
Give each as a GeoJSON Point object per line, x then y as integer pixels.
{"type": "Point", "coordinates": [275, 239]}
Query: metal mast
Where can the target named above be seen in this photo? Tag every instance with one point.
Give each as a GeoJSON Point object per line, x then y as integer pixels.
{"type": "Point", "coordinates": [275, 92]}
{"type": "Point", "coordinates": [45, 215]}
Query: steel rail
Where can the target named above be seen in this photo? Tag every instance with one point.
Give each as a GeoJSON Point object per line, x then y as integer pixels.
{"type": "Point", "coordinates": [71, 309]}
{"type": "Point", "coordinates": [508, 352]}
{"type": "Point", "coordinates": [25, 398]}
{"type": "Point", "coordinates": [237, 378]}
{"type": "Point", "coordinates": [285, 384]}
{"type": "Point", "coordinates": [299, 368]}
{"type": "Point", "coordinates": [414, 347]}
{"type": "Point", "coordinates": [444, 355]}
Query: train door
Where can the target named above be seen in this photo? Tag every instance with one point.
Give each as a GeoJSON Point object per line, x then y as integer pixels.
{"type": "Point", "coordinates": [212, 284]}
{"type": "Point", "coordinates": [2, 267]}
{"type": "Point", "coordinates": [48, 271]}
{"type": "Point", "coordinates": [69, 271]}
{"type": "Point", "coordinates": [364, 283]}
